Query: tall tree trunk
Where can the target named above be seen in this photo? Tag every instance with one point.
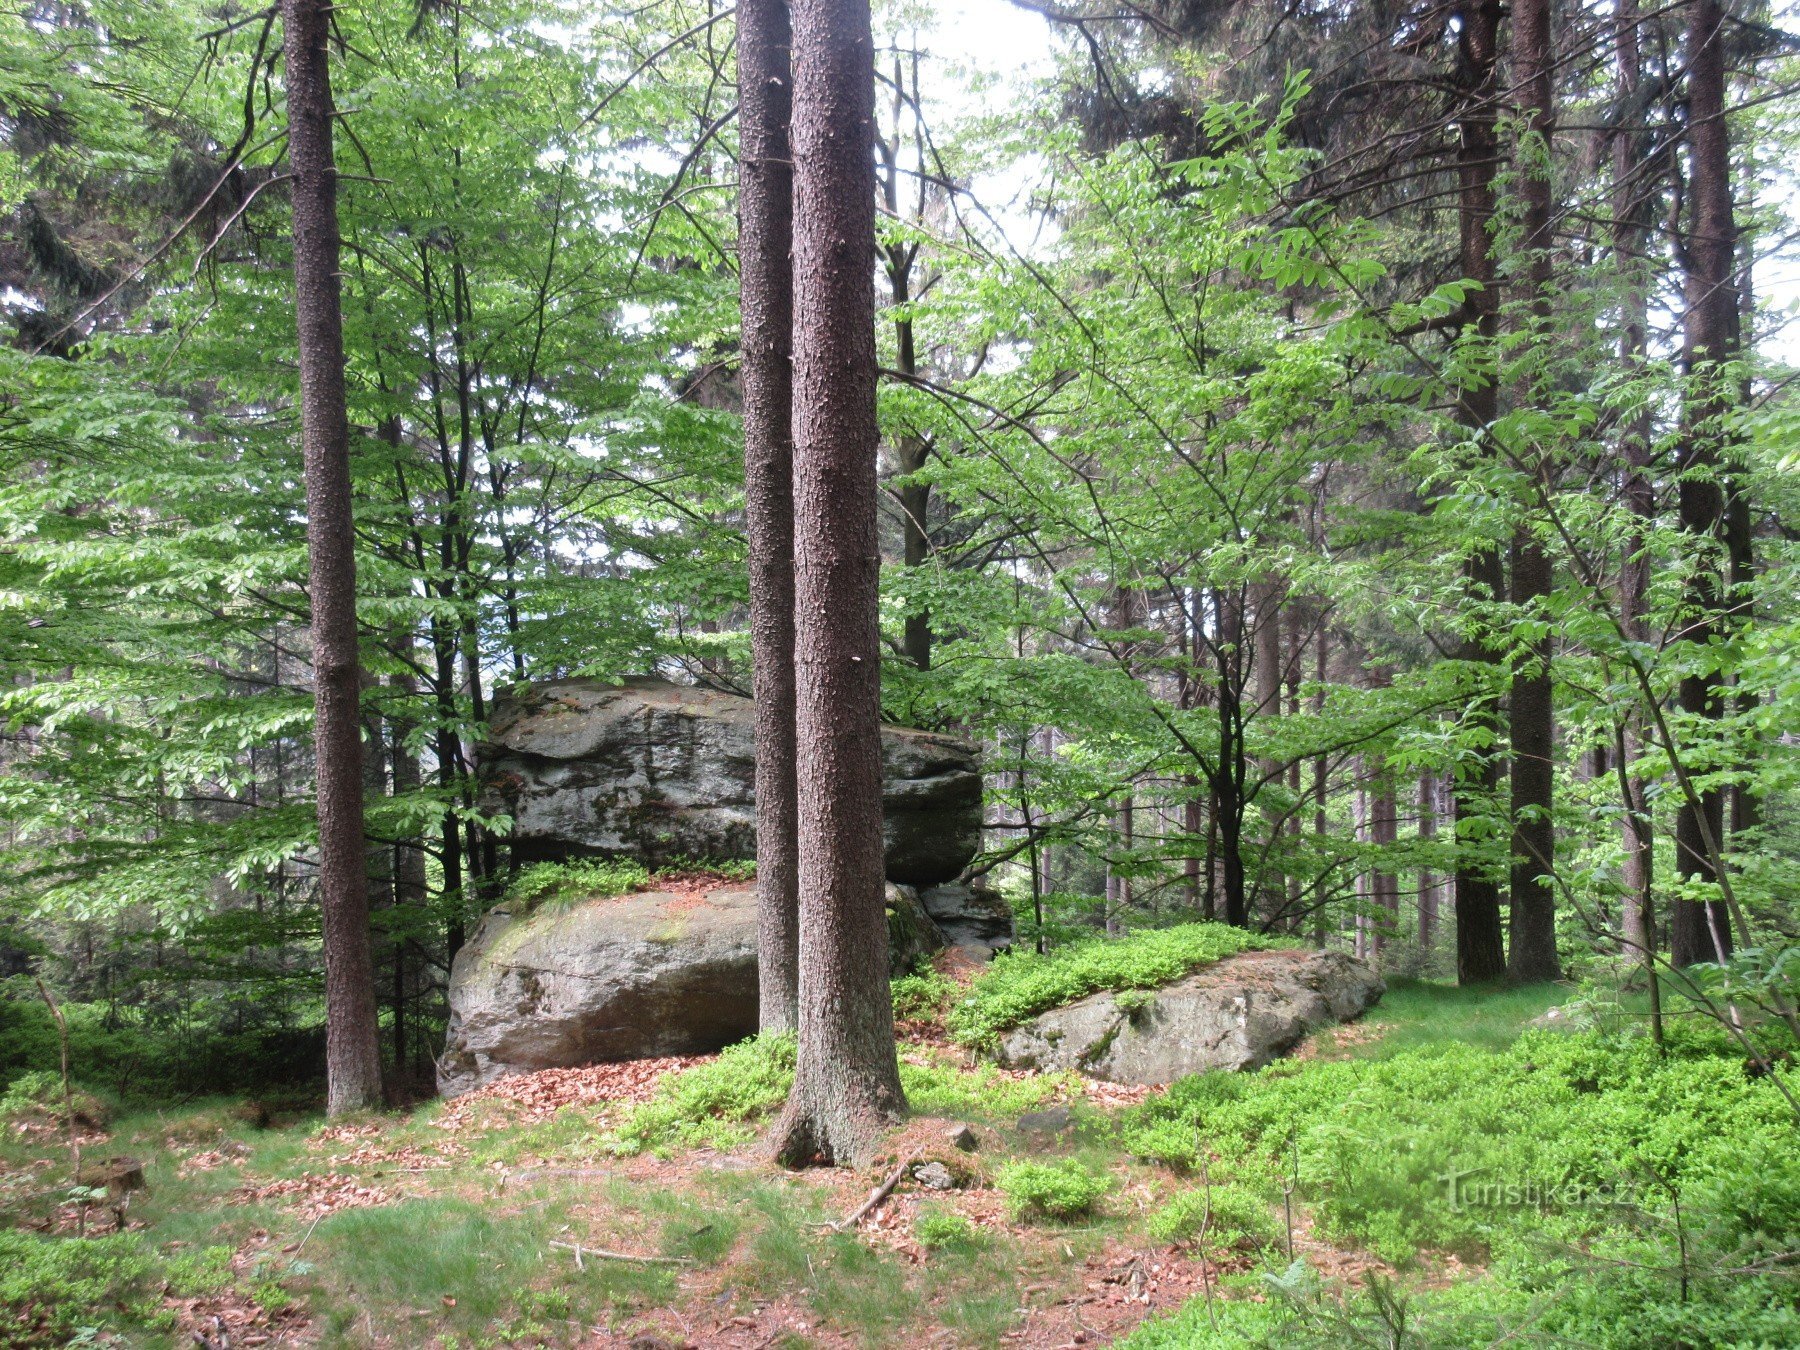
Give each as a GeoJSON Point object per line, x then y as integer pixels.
{"type": "Point", "coordinates": [352, 1050]}
{"type": "Point", "coordinates": [1700, 931]}
{"type": "Point", "coordinates": [1321, 776]}
{"type": "Point", "coordinates": [1533, 725]}
{"type": "Point", "coordinates": [766, 297]}
{"type": "Point", "coordinates": [1428, 882]}
{"type": "Point", "coordinates": [1384, 832]}
{"type": "Point", "coordinates": [1267, 665]}
{"type": "Point", "coordinates": [1480, 952]}
{"type": "Point", "coordinates": [1630, 232]}
{"type": "Point", "coordinates": [410, 877]}
{"type": "Point", "coordinates": [847, 1079]}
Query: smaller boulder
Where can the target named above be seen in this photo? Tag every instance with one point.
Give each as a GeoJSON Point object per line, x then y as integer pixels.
{"type": "Point", "coordinates": [962, 1137]}
{"type": "Point", "coordinates": [1052, 1121]}
{"type": "Point", "coordinates": [1238, 1014]}
{"type": "Point", "coordinates": [934, 1176]}
{"type": "Point", "coordinates": [970, 916]}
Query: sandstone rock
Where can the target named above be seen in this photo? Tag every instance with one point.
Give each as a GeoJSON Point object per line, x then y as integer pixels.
{"type": "Point", "coordinates": [970, 916]}
{"type": "Point", "coordinates": [1052, 1121]}
{"type": "Point", "coordinates": [962, 1137]}
{"type": "Point", "coordinates": [617, 977]}
{"type": "Point", "coordinates": [912, 934]}
{"type": "Point", "coordinates": [1238, 1014]}
{"type": "Point", "coordinates": [656, 771]}
{"type": "Point", "coordinates": [934, 1176]}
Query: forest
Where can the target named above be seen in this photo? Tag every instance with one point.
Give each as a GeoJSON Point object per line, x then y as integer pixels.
{"type": "Point", "coordinates": [1037, 673]}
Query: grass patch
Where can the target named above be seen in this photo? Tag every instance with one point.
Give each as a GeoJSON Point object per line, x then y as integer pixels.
{"type": "Point", "coordinates": [1417, 1013]}
{"type": "Point", "coordinates": [934, 1088]}
{"type": "Point", "coordinates": [1021, 984]}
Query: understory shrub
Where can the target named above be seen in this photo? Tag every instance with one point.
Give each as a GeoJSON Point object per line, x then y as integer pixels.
{"type": "Point", "coordinates": [921, 995]}
{"type": "Point", "coordinates": [1021, 984]}
{"type": "Point", "coordinates": [1057, 1190]}
{"type": "Point", "coordinates": [1465, 1150]}
{"type": "Point", "coordinates": [564, 883]}
{"type": "Point", "coordinates": [1221, 1218]}
{"type": "Point", "coordinates": [937, 1228]}
{"type": "Point", "coordinates": [712, 1104]}
{"type": "Point", "coordinates": [56, 1291]}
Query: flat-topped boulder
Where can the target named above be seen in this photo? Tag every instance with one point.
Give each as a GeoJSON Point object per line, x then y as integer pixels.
{"type": "Point", "coordinates": [662, 772]}
{"type": "Point", "coordinates": [1240, 1013]}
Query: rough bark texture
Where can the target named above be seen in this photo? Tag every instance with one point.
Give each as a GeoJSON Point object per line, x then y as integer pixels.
{"type": "Point", "coordinates": [1532, 954]}
{"type": "Point", "coordinates": [1701, 931]}
{"type": "Point", "coordinates": [1267, 672]}
{"type": "Point", "coordinates": [1630, 230]}
{"type": "Point", "coordinates": [766, 297]}
{"type": "Point", "coordinates": [847, 1081]}
{"type": "Point", "coordinates": [352, 1052]}
{"type": "Point", "coordinates": [1480, 953]}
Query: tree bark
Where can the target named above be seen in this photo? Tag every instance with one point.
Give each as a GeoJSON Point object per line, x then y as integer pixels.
{"type": "Point", "coordinates": [847, 1080]}
{"type": "Point", "coordinates": [1267, 671]}
{"type": "Point", "coordinates": [1428, 882]}
{"type": "Point", "coordinates": [1630, 232]}
{"type": "Point", "coordinates": [1480, 952]}
{"type": "Point", "coordinates": [766, 299]}
{"type": "Point", "coordinates": [352, 1050]}
{"type": "Point", "coordinates": [1532, 956]}
{"type": "Point", "coordinates": [1700, 930]}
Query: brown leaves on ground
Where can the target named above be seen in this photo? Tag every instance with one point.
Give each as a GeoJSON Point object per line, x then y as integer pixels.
{"type": "Point", "coordinates": [231, 1318]}
{"type": "Point", "coordinates": [316, 1194]}
{"type": "Point", "coordinates": [538, 1096]}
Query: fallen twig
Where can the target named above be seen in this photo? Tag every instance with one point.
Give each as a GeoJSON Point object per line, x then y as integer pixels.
{"type": "Point", "coordinates": [581, 1250]}
{"type": "Point", "coordinates": [876, 1196]}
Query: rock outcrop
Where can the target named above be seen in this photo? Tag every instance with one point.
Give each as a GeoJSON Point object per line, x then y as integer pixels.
{"type": "Point", "coordinates": [1239, 1014]}
{"type": "Point", "coordinates": [659, 771]}
{"type": "Point", "coordinates": [969, 916]}
{"type": "Point", "coordinates": [619, 977]}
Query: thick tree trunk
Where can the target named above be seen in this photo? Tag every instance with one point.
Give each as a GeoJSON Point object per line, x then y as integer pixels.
{"type": "Point", "coordinates": [1480, 952]}
{"type": "Point", "coordinates": [352, 1050]}
{"type": "Point", "coordinates": [766, 297]}
{"type": "Point", "coordinates": [1630, 231]}
{"type": "Point", "coordinates": [847, 1080]}
{"type": "Point", "coordinates": [1532, 956]}
{"type": "Point", "coordinates": [1700, 931]}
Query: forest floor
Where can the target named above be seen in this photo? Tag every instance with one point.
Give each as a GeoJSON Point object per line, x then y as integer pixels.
{"type": "Point", "coordinates": [508, 1219]}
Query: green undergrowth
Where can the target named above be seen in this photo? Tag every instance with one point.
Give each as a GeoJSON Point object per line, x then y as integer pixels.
{"type": "Point", "coordinates": [1021, 984]}
{"type": "Point", "coordinates": [1064, 1189]}
{"type": "Point", "coordinates": [565, 883]}
{"type": "Point", "coordinates": [1414, 1014]}
{"type": "Point", "coordinates": [64, 1290]}
{"type": "Point", "coordinates": [721, 1104]}
{"type": "Point", "coordinates": [1616, 1198]}
{"type": "Point", "coordinates": [714, 1104]}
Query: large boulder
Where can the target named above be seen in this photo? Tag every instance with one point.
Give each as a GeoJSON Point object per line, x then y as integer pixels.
{"type": "Point", "coordinates": [659, 771]}
{"type": "Point", "coordinates": [1238, 1014]}
{"type": "Point", "coordinates": [619, 977]}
